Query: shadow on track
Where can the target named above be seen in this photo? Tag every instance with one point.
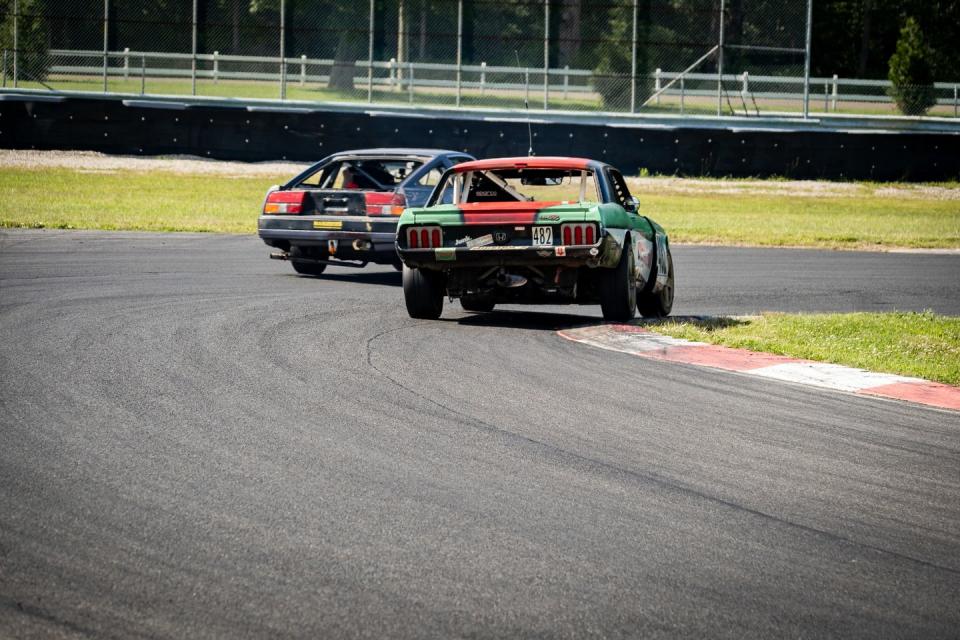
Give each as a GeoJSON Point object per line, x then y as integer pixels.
{"type": "Point", "coordinates": [531, 320]}
{"type": "Point", "coordinates": [382, 278]}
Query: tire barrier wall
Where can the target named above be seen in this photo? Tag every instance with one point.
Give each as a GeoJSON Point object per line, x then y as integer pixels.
{"type": "Point", "coordinates": [253, 133]}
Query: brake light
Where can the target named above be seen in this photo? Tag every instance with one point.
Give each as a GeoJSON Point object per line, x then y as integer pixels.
{"type": "Point", "coordinates": [580, 233]}
{"type": "Point", "coordinates": [424, 237]}
{"type": "Point", "coordinates": [385, 203]}
{"type": "Point", "coordinates": [285, 202]}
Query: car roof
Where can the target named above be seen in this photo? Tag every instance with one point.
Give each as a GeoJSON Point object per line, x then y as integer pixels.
{"type": "Point", "coordinates": [529, 162]}
{"type": "Point", "coordinates": [399, 151]}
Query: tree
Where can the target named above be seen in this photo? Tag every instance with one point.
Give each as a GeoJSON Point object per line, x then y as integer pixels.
{"type": "Point", "coordinates": [33, 57]}
{"type": "Point", "coordinates": [910, 72]}
{"type": "Point", "coordinates": [612, 72]}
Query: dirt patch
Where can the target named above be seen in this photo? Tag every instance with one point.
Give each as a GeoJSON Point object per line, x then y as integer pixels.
{"type": "Point", "coordinates": [94, 162]}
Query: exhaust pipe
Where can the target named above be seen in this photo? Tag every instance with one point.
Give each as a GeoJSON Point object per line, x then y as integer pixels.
{"type": "Point", "coordinates": [509, 280]}
{"type": "Point", "coordinates": [362, 245]}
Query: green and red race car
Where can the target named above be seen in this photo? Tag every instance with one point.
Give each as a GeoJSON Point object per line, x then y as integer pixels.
{"type": "Point", "coordinates": [534, 230]}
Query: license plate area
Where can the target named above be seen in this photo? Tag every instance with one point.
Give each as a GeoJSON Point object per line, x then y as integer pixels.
{"type": "Point", "coordinates": [541, 236]}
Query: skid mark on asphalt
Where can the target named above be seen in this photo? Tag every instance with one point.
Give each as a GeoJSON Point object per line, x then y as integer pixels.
{"type": "Point", "coordinates": [600, 466]}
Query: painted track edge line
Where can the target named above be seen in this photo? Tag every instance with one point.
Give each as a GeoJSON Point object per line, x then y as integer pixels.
{"type": "Point", "coordinates": [642, 342]}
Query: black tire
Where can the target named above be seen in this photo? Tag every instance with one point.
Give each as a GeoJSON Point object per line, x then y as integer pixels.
{"type": "Point", "coordinates": [308, 268]}
{"type": "Point", "coordinates": [618, 289]}
{"type": "Point", "coordinates": [477, 303]}
{"type": "Point", "coordinates": [423, 293]}
{"type": "Point", "coordinates": [305, 267]}
{"type": "Point", "coordinates": [658, 305]}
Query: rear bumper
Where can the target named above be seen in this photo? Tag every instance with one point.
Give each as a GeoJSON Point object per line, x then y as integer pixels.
{"type": "Point", "coordinates": [307, 231]}
{"type": "Point", "coordinates": [571, 256]}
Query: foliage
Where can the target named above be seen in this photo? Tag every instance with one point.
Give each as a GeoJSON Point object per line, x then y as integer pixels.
{"type": "Point", "coordinates": [910, 72]}
{"type": "Point", "coordinates": [614, 60]}
{"type": "Point", "coordinates": [33, 61]}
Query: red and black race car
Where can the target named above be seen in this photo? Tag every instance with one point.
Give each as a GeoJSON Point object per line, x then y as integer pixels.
{"type": "Point", "coordinates": [344, 209]}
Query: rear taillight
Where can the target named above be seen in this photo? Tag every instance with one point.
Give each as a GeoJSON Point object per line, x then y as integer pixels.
{"type": "Point", "coordinates": [285, 202]}
{"type": "Point", "coordinates": [385, 204]}
{"type": "Point", "coordinates": [424, 237]}
{"type": "Point", "coordinates": [579, 233]}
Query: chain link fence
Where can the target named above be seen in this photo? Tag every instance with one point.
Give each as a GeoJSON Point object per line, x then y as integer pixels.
{"type": "Point", "coordinates": [690, 57]}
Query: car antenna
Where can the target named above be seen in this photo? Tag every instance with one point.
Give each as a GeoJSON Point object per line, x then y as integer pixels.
{"type": "Point", "coordinates": [526, 106]}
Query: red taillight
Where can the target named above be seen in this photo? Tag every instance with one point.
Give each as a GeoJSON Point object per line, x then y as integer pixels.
{"type": "Point", "coordinates": [284, 202]}
{"type": "Point", "coordinates": [579, 233]}
{"type": "Point", "coordinates": [424, 237]}
{"type": "Point", "coordinates": [379, 203]}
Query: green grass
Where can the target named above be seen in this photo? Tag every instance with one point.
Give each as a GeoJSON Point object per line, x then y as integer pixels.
{"type": "Point", "coordinates": [922, 345]}
{"type": "Point", "coordinates": [167, 201]}
{"type": "Point", "coordinates": [68, 199]}
{"type": "Point", "coordinates": [860, 221]}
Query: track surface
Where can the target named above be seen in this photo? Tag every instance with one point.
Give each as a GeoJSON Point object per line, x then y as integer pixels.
{"type": "Point", "coordinates": [194, 442]}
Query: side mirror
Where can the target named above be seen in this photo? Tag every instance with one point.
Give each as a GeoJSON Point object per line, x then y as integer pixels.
{"type": "Point", "coordinates": [633, 204]}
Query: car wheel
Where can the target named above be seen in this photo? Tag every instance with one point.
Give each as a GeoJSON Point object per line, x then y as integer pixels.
{"type": "Point", "coordinates": [618, 289]}
{"type": "Point", "coordinates": [397, 265]}
{"type": "Point", "coordinates": [423, 292]}
{"type": "Point", "coordinates": [658, 305]}
{"type": "Point", "coordinates": [306, 267]}
{"type": "Point", "coordinates": [477, 303]}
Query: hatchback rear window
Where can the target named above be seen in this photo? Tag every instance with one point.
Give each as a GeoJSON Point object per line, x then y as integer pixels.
{"type": "Point", "coordinates": [368, 174]}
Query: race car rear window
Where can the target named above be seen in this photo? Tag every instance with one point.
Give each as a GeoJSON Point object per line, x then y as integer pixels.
{"type": "Point", "coordinates": [368, 174]}
{"type": "Point", "coordinates": [523, 185]}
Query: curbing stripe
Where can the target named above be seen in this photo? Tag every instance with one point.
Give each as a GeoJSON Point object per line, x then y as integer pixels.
{"type": "Point", "coordinates": [644, 343]}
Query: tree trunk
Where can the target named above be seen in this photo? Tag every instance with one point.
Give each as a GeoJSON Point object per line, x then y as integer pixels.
{"type": "Point", "coordinates": [344, 64]}
{"type": "Point", "coordinates": [865, 39]}
{"type": "Point", "coordinates": [569, 31]}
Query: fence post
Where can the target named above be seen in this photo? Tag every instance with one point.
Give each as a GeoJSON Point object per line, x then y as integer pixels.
{"type": "Point", "coordinates": [483, 78]}
{"type": "Point", "coordinates": [954, 101]}
{"type": "Point", "coordinates": [106, 26]}
{"type": "Point", "coordinates": [826, 96]}
{"type": "Point", "coordinates": [370, 57]}
{"type": "Point", "coordinates": [126, 63]}
{"type": "Point", "coordinates": [657, 83]}
{"type": "Point", "coordinates": [283, 49]}
{"type": "Point", "coordinates": [410, 79]}
{"type": "Point", "coordinates": [526, 86]}
{"type": "Point", "coordinates": [566, 80]}
{"type": "Point", "coordinates": [745, 84]}
{"type": "Point", "coordinates": [303, 69]}
{"type": "Point", "coordinates": [5, 69]}
{"type": "Point", "coordinates": [193, 51]}
{"type": "Point", "coordinates": [546, 53]}
{"type": "Point", "coordinates": [633, 62]}
{"type": "Point", "coordinates": [394, 75]}
{"type": "Point", "coordinates": [835, 91]}
{"type": "Point", "coordinates": [683, 91]}
{"type": "Point", "coordinates": [806, 62]}
{"type": "Point", "coordinates": [16, 32]}
{"type": "Point", "coordinates": [459, 50]}
{"type": "Point", "coordinates": [720, 60]}
{"type": "Point", "coordinates": [143, 74]}
{"type": "Point", "coordinates": [216, 66]}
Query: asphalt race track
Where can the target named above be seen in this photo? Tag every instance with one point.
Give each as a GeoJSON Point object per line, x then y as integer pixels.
{"type": "Point", "coordinates": [195, 442]}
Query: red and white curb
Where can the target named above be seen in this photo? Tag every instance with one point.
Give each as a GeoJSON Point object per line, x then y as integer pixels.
{"type": "Point", "coordinates": [643, 342]}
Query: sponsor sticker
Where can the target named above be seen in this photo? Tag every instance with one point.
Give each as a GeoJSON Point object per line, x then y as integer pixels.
{"type": "Point", "coordinates": [327, 224]}
{"type": "Point", "coordinates": [463, 240]}
{"type": "Point", "coordinates": [445, 254]}
{"type": "Point", "coordinates": [561, 251]}
{"type": "Point", "coordinates": [482, 241]}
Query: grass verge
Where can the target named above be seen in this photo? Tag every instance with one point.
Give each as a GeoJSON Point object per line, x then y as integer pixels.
{"type": "Point", "coordinates": [767, 213]}
{"type": "Point", "coordinates": [922, 345]}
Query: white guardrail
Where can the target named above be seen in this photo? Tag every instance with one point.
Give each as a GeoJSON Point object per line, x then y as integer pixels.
{"type": "Point", "coordinates": [410, 76]}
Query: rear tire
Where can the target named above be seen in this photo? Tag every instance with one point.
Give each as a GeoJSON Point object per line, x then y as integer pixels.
{"type": "Point", "coordinates": [423, 293]}
{"type": "Point", "coordinates": [618, 289]}
{"type": "Point", "coordinates": [658, 305]}
{"type": "Point", "coordinates": [305, 267]}
{"type": "Point", "coordinates": [477, 303]}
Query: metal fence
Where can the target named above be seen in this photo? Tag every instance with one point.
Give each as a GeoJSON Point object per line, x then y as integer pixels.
{"type": "Point", "coordinates": [708, 57]}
